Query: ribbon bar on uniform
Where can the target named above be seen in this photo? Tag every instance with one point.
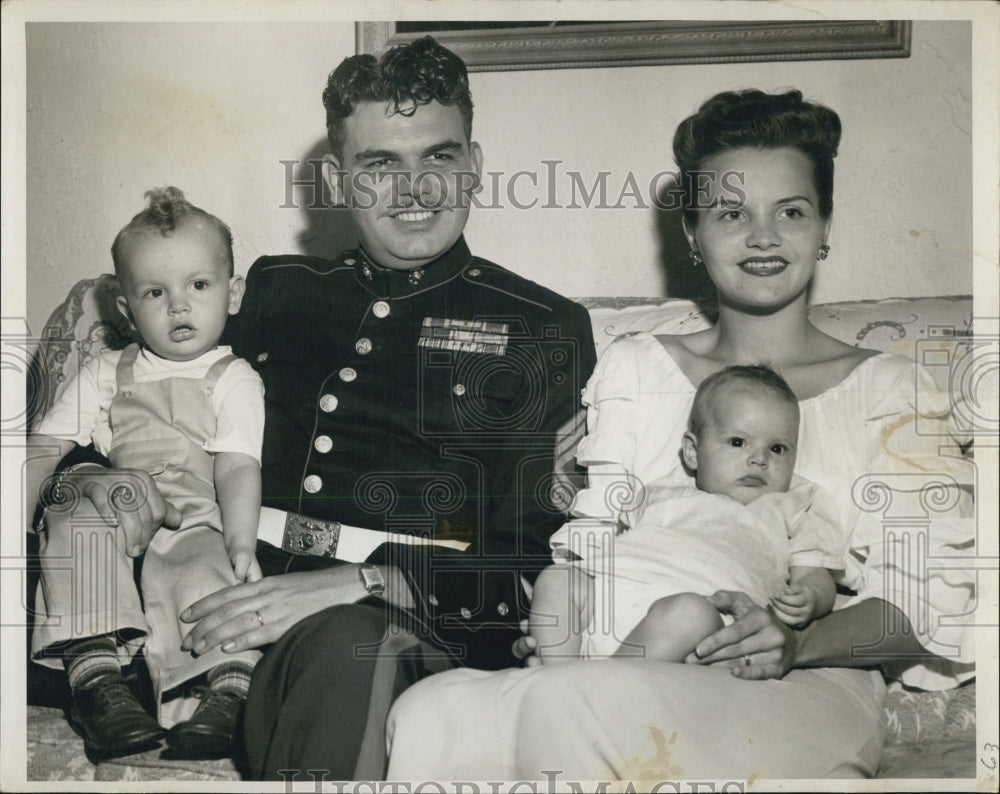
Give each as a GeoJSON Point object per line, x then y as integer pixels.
{"type": "Point", "coordinates": [469, 336]}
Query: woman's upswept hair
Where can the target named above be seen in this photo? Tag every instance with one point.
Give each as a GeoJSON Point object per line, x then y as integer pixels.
{"type": "Point", "coordinates": [751, 118]}
{"type": "Point", "coordinates": [407, 76]}
{"type": "Point", "coordinates": [166, 210]}
{"type": "Point", "coordinates": [759, 375]}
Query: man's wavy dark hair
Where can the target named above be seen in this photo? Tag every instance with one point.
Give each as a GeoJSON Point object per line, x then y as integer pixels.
{"type": "Point", "coordinates": [754, 119]}
{"type": "Point", "coordinates": [407, 76]}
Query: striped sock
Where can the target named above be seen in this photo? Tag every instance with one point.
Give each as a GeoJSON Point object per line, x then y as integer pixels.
{"type": "Point", "coordinates": [231, 677]}
{"type": "Point", "coordinates": [89, 659]}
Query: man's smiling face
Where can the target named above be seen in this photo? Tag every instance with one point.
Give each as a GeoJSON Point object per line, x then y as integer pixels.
{"type": "Point", "coordinates": [406, 179]}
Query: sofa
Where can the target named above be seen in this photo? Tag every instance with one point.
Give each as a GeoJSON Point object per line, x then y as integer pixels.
{"type": "Point", "coordinates": [929, 735]}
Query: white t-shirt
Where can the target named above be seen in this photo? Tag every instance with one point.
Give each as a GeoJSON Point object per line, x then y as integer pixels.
{"type": "Point", "coordinates": [80, 413]}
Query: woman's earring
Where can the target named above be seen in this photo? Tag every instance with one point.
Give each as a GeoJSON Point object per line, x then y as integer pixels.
{"type": "Point", "coordinates": [696, 260]}
{"type": "Point", "coordinates": [824, 252]}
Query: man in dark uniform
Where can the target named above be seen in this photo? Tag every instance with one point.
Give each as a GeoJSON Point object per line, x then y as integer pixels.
{"type": "Point", "coordinates": [415, 397]}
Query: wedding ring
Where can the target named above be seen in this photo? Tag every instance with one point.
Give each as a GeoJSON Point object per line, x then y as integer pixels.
{"type": "Point", "coordinates": [260, 619]}
{"type": "Point", "coordinates": [746, 657]}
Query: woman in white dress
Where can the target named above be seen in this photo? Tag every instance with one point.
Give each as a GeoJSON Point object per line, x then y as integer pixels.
{"type": "Point", "coordinates": [757, 700]}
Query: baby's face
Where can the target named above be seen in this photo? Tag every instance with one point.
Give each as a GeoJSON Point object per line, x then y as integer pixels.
{"type": "Point", "coordinates": [177, 289]}
{"type": "Point", "coordinates": [747, 447]}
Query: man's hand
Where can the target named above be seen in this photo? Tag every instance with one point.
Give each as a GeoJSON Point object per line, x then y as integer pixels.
{"type": "Point", "coordinates": [127, 497]}
{"type": "Point", "coordinates": [254, 614]}
{"type": "Point", "coordinates": [795, 605]}
{"type": "Point", "coordinates": [757, 645]}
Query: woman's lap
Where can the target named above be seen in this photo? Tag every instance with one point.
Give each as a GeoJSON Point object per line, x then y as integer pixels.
{"type": "Point", "coordinates": [460, 724]}
{"type": "Point", "coordinates": [637, 720]}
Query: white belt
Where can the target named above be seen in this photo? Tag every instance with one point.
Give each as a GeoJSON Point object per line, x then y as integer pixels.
{"type": "Point", "coordinates": [300, 534]}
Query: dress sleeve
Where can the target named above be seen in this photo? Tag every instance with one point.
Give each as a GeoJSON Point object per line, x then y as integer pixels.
{"type": "Point", "coordinates": [914, 425]}
{"type": "Point", "coordinates": [914, 541]}
{"type": "Point", "coordinates": [608, 449]}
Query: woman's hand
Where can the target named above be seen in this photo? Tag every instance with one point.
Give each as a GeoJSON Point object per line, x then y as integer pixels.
{"type": "Point", "coordinates": [757, 645]}
{"type": "Point", "coordinates": [126, 496]}
{"type": "Point", "coordinates": [253, 614]}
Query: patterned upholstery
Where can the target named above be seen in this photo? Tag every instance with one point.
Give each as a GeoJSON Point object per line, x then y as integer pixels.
{"type": "Point", "coordinates": [913, 716]}
{"type": "Point", "coordinates": [909, 327]}
{"type": "Point", "coordinates": [55, 753]}
{"type": "Point", "coordinates": [88, 322]}
{"type": "Point", "coordinates": [83, 326]}
{"type": "Point", "coordinates": [936, 332]}
{"type": "Point", "coordinates": [929, 734]}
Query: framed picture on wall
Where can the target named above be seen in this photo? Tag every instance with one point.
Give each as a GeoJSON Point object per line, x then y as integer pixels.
{"type": "Point", "coordinates": [537, 44]}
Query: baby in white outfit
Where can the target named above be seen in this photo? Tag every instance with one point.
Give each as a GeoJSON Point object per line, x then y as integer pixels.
{"type": "Point", "coordinates": [746, 523]}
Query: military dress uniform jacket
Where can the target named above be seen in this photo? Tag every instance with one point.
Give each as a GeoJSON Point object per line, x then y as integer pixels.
{"type": "Point", "coordinates": [425, 402]}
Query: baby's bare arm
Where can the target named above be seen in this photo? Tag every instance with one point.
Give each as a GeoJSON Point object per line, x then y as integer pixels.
{"type": "Point", "coordinates": [237, 487]}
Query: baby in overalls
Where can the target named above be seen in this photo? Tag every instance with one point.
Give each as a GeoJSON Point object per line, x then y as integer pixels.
{"type": "Point", "coordinates": [191, 414]}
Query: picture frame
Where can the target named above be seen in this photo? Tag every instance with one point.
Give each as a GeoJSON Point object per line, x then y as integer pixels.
{"type": "Point", "coordinates": [503, 46]}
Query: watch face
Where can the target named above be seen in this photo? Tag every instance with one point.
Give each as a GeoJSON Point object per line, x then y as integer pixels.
{"type": "Point", "coordinates": [371, 578]}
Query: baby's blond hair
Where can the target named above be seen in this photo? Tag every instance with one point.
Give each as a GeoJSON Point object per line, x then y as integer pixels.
{"type": "Point", "coordinates": [166, 210]}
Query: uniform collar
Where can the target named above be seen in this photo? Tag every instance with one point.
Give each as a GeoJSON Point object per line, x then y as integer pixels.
{"type": "Point", "coordinates": [388, 283]}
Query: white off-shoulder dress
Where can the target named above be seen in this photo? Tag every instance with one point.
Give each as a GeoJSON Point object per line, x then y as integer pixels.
{"type": "Point", "coordinates": [879, 443]}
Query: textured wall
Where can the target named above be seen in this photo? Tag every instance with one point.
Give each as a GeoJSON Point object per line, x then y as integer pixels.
{"type": "Point", "coordinates": [114, 109]}
{"type": "Point", "coordinates": [903, 218]}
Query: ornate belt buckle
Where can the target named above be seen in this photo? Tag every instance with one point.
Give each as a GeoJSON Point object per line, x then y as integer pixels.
{"type": "Point", "coordinates": [305, 535]}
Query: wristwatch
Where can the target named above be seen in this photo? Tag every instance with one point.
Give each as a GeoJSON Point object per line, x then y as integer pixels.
{"type": "Point", "coordinates": [372, 579]}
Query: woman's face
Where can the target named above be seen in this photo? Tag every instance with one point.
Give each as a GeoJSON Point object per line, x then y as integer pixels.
{"type": "Point", "coordinates": [761, 229]}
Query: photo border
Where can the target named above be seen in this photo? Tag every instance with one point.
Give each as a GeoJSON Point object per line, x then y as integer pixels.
{"type": "Point", "coordinates": [985, 126]}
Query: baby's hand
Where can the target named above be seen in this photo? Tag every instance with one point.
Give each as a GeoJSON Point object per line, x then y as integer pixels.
{"type": "Point", "coordinates": [245, 565]}
{"type": "Point", "coordinates": [795, 605]}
